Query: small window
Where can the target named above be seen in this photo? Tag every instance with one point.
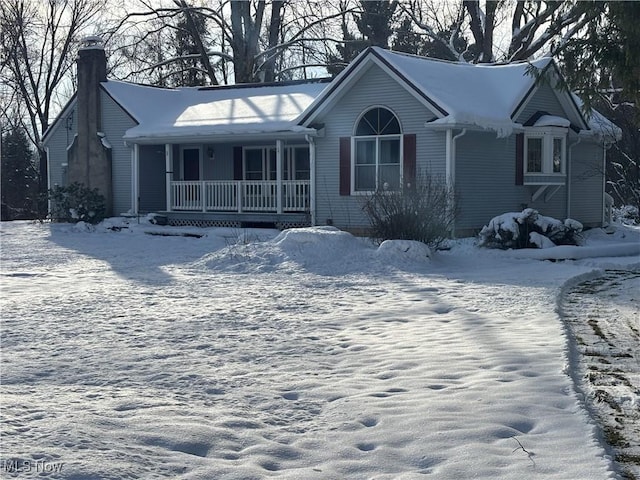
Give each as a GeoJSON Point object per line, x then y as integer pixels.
{"type": "Point", "coordinates": [545, 151]}
{"type": "Point", "coordinates": [377, 152]}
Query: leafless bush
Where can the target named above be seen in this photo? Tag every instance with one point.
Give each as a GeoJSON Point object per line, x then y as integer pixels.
{"type": "Point", "coordinates": [424, 212]}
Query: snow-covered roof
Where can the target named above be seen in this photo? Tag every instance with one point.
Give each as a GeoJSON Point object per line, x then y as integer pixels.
{"type": "Point", "coordinates": [487, 96]}
{"type": "Point", "coordinates": [481, 95]}
{"type": "Point", "coordinates": [195, 112]}
{"type": "Point", "coordinates": [552, 121]}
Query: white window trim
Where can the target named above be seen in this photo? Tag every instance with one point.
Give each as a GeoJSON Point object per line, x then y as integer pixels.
{"type": "Point", "coordinates": [548, 134]}
{"type": "Point", "coordinates": [353, 148]}
{"type": "Point", "coordinates": [377, 138]}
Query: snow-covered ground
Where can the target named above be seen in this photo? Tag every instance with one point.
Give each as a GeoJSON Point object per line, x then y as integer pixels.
{"type": "Point", "coordinates": [308, 354]}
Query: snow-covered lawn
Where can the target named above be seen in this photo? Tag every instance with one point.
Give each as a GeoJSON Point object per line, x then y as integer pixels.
{"type": "Point", "coordinates": [309, 355]}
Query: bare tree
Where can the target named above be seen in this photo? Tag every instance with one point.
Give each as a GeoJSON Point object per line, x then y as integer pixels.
{"type": "Point", "coordinates": [502, 31]}
{"type": "Point", "coordinates": [38, 42]}
{"type": "Point", "coordinates": [246, 41]}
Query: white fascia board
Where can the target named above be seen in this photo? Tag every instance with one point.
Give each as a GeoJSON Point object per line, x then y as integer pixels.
{"type": "Point", "coordinates": [219, 138]}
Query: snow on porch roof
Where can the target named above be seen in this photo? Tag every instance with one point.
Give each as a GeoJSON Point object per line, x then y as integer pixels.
{"type": "Point", "coordinates": [193, 112]}
{"type": "Point", "coordinates": [482, 95]}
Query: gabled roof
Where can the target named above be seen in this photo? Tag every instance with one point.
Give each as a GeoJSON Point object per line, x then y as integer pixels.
{"type": "Point", "coordinates": [194, 112]}
{"type": "Point", "coordinates": [487, 96]}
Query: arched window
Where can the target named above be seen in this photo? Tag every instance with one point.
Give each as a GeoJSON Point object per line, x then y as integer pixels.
{"type": "Point", "coordinates": [377, 147]}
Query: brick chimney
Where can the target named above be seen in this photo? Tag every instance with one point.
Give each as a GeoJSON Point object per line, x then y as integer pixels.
{"type": "Point", "coordinates": [89, 157]}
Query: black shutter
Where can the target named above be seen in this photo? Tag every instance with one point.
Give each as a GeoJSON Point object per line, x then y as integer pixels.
{"type": "Point", "coordinates": [409, 159]}
{"type": "Point", "coordinates": [237, 163]}
{"type": "Point", "coordinates": [345, 166]}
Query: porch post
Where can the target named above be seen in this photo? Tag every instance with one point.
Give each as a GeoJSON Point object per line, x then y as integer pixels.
{"type": "Point", "coordinates": [168, 157]}
{"type": "Point", "coordinates": [279, 149]}
{"type": "Point", "coordinates": [135, 180]}
{"type": "Point", "coordinates": [312, 179]}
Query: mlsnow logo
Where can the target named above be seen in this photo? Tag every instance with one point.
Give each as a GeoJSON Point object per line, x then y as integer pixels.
{"type": "Point", "coordinates": [18, 465]}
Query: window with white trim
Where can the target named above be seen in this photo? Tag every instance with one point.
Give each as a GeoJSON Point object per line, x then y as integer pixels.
{"type": "Point", "coordinates": [260, 163]}
{"type": "Point", "coordinates": [545, 151]}
{"type": "Point", "coordinates": [377, 152]}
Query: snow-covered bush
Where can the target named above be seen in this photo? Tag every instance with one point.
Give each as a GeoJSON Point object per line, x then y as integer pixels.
{"type": "Point", "coordinates": [627, 215]}
{"type": "Point", "coordinates": [529, 229]}
{"type": "Point", "coordinates": [424, 212]}
{"type": "Point", "coordinates": [75, 203]}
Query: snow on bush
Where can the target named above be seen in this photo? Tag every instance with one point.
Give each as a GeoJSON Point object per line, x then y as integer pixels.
{"type": "Point", "coordinates": [529, 229]}
{"type": "Point", "coordinates": [627, 215]}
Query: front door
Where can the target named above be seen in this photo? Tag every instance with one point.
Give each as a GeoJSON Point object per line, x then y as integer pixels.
{"type": "Point", "coordinates": [191, 164]}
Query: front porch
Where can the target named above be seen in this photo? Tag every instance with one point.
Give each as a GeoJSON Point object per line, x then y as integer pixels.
{"type": "Point", "coordinates": [240, 196]}
{"type": "Point", "coordinates": [239, 203]}
{"type": "Point", "coordinates": [263, 182]}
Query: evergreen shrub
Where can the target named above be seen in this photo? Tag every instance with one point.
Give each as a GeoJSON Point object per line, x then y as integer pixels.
{"type": "Point", "coordinates": [75, 203]}
{"type": "Point", "coordinates": [526, 229]}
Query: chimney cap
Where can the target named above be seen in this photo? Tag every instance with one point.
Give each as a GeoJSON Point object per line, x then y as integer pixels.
{"type": "Point", "coordinates": [92, 42]}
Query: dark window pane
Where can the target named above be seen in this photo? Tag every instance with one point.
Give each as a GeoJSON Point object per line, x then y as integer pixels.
{"type": "Point", "coordinates": [534, 155]}
{"type": "Point", "coordinates": [390, 150]}
{"type": "Point", "coordinates": [365, 178]}
{"type": "Point", "coordinates": [388, 123]}
{"type": "Point", "coordinates": [271, 174]}
{"type": "Point", "coordinates": [253, 164]}
{"type": "Point", "coordinates": [557, 155]}
{"type": "Point", "coordinates": [302, 164]}
{"type": "Point", "coordinates": [368, 123]}
{"type": "Point", "coordinates": [389, 177]}
{"type": "Point", "coordinates": [378, 121]}
{"type": "Point", "coordinates": [365, 152]}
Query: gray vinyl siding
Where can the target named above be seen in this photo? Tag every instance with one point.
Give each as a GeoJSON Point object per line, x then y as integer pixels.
{"type": "Point", "coordinates": [374, 88]}
{"type": "Point", "coordinates": [485, 179]}
{"type": "Point", "coordinates": [544, 100]}
{"type": "Point", "coordinates": [587, 190]}
{"type": "Point", "coordinates": [115, 122]}
{"type": "Point", "coordinates": [151, 179]}
{"type": "Point", "coordinates": [58, 140]}
{"type": "Point", "coordinates": [555, 206]}
{"type": "Point", "coordinates": [221, 167]}
{"type": "Point", "coordinates": [485, 183]}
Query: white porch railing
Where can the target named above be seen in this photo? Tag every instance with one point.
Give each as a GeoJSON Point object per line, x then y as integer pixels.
{"type": "Point", "coordinates": [239, 196]}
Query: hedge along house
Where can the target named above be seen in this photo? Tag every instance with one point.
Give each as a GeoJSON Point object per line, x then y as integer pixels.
{"type": "Point", "coordinates": [302, 153]}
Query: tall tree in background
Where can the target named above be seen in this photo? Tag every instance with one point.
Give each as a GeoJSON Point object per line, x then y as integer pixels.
{"type": "Point", "coordinates": [38, 39]}
{"type": "Point", "coordinates": [190, 31]}
{"type": "Point", "coordinates": [19, 175]}
{"type": "Point", "coordinates": [374, 20]}
{"type": "Point", "coordinates": [348, 48]}
{"type": "Point", "coordinates": [375, 23]}
{"type": "Point", "coordinates": [535, 28]}
{"type": "Point", "coordinates": [603, 65]}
